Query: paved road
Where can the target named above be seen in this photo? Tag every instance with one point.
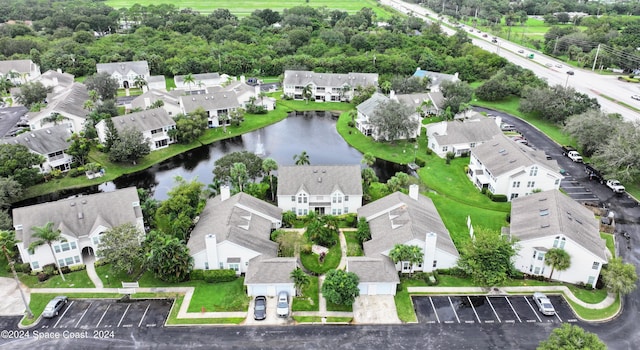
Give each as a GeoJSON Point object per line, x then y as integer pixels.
{"type": "Point", "coordinates": [584, 80]}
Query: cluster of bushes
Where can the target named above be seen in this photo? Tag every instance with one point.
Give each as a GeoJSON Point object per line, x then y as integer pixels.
{"type": "Point", "coordinates": [431, 279]}
{"type": "Point", "coordinates": [24, 268]}
{"type": "Point", "coordinates": [213, 276]}
{"type": "Point", "coordinates": [494, 197]}
{"type": "Point", "coordinates": [50, 270]}
{"type": "Point", "coordinates": [421, 163]}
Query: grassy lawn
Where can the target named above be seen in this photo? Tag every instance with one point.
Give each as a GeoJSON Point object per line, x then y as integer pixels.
{"type": "Point", "coordinates": [354, 248]}
{"type": "Point", "coordinates": [335, 307]}
{"type": "Point", "coordinates": [244, 8]}
{"type": "Point", "coordinates": [169, 83]}
{"type": "Point", "coordinates": [609, 242]}
{"type": "Point", "coordinates": [309, 299]}
{"type": "Point", "coordinates": [173, 317]}
{"type": "Point", "coordinates": [39, 301]}
{"type": "Point", "coordinates": [594, 315]}
{"type": "Point", "coordinates": [77, 279]}
{"type": "Point", "coordinates": [312, 263]}
{"type": "Point", "coordinates": [404, 305]}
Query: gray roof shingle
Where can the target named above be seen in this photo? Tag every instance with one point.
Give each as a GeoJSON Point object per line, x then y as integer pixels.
{"type": "Point", "coordinates": [369, 106]}
{"type": "Point", "coordinates": [197, 77]}
{"type": "Point", "coordinates": [139, 67]}
{"type": "Point", "coordinates": [69, 102]}
{"type": "Point", "coordinates": [501, 155]}
{"type": "Point", "coordinates": [43, 141]}
{"type": "Point", "coordinates": [79, 216]}
{"type": "Point", "coordinates": [142, 121]}
{"type": "Point", "coordinates": [370, 269]}
{"type": "Point", "coordinates": [304, 78]}
{"type": "Point", "coordinates": [397, 219]}
{"type": "Point", "coordinates": [210, 101]}
{"type": "Point", "coordinates": [560, 215]}
{"type": "Point", "coordinates": [319, 179]}
{"type": "Point", "coordinates": [152, 96]}
{"type": "Point", "coordinates": [467, 131]}
{"type": "Point", "coordinates": [270, 270]}
{"type": "Point", "coordinates": [20, 66]}
{"type": "Point", "coordinates": [228, 220]}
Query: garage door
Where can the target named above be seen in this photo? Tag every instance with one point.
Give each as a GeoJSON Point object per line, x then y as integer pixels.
{"type": "Point", "coordinates": [271, 291]}
{"type": "Point", "coordinates": [257, 289]}
{"type": "Point", "coordinates": [363, 289]}
{"type": "Point", "coordinates": [385, 289]}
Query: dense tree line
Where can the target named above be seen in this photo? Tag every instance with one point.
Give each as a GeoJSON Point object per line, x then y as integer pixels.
{"type": "Point", "coordinates": [183, 41]}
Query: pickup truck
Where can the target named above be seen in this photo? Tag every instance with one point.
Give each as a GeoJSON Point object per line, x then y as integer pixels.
{"type": "Point", "coordinates": [572, 154]}
{"type": "Point", "coordinates": [615, 186]}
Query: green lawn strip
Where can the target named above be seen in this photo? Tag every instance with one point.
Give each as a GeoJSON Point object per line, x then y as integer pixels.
{"type": "Point", "coordinates": [404, 305]}
{"type": "Point", "coordinates": [169, 83]}
{"type": "Point", "coordinates": [309, 299]}
{"type": "Point", "coordinates": [114, 170]}
{"type": "Point", "coordinates": [596, 314]}
{"type": "Point", "coordinates": [318, 319]}
{"type": "Point", "coordinates": [312, 262]}
{"type": "Point", "coordinates": [39, 300]}
{"type": "Point", "coordinates": [609, 240]}
{"type": "Point", "coordinates": [174, 320]}
{"type": "Point", "coordinates": [337, 307]}
{"type": "Point", "coordinates": [244, 8]}
{"type": "Point", "coordinates": [76, 279]}
{"type": "Point", "coordinates": [354, 248]}
{"type": "Point", "coordinates": [218, 297]}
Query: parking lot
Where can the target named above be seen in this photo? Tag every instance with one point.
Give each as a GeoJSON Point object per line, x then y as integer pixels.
{"type": "Point", "coordinates": [109, 314]}
{"type": "Point", "coordinates": [576, 190]}
{"type": "Point", "coordinates": [488, 309]}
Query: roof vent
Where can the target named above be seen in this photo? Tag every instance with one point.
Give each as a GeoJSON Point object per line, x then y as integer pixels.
{"type": "Point", "coordinates": [193, 99]}
{"type": "Point", "coordinates": [319, 179]}
{"type": "Point", "coordinates": [315, 171]}
{"type": "Point", "coordinates": [48, 131]}
{"type": "Point", "coordinates": [84, 201]}
{"type": "Point", "coordinates": [544, 212]}
{"type": "Point", "coordinates": [544, 225]}
{"type": "Point", "coordinates": [324, 171]}
{"type": "Point", "coordinates": [132, 119]}
{"type": "Point", "coordinates": [121, 121]}
{"type": "Point", "coordinates": [206, 97]}
{"type": "Point", "coordinates": [73, 204]}
{"type": "Point", "coordinates": [542, 199]}
{"type": "Point", "coordinates": [33, 135]}
{"type": "Point", "coordinates": [80, 215]}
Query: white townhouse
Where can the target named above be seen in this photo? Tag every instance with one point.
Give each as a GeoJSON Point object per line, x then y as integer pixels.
{"type": "Point", "coordinates": [324, 189]}
{"type": "Point", "coordinates": [201, 82]}
{"type": "Point", "coordinates": [125, 72]}
{"type": "Point", "coordinates": [154, 124]}
{"type": "Point", "coordinates": [170, 101]}
{"type": "Point", "coordinates": [435, 78]}
{"type": "Point", "coordinates": [51, 143]}
{"type": "Point", "coordinates": [460, 136]}
{"type": "Point", "coordinates": [216, 104]}
{"type": "Point", "coordinates": [57, 81]}
{"type": "Point", "coordinates": [552, 219]}
{"type": "Point", "coordinates": [509, 168]}
{"type": "Point", "coordinates": [366, 110]}
{"type": "Point", "coordinates": [247, 94]}
{"type": "Point", "coordinates": [68, 105]}
{"type": "Point", "coordinates": [234, 232]}
{"type": "Point", "coordinates": [334, 87]}
{"type": "Point", "coordinates": [19, 71]}
{"type": "Point", "coordinates": [81, 220]}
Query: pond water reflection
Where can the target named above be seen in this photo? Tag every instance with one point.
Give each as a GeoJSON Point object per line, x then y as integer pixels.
{"type": "Point", "coordinates": [313, 132]}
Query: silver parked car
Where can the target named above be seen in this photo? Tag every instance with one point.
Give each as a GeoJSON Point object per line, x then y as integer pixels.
{"type": "Point", "coordinates": [544, 304]}
{"type": "Point", "coordinates": [54, 306]}
{"type": "Point", "coordinates": [283, 304]}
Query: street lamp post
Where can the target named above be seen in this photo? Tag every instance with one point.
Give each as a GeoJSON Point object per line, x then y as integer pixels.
{"type": "Point", "coordinates": [107, 277]}
{"type": "Point", "coordinates": [569, 73]}
{"type": "Point", "coordinates": [415, 152]}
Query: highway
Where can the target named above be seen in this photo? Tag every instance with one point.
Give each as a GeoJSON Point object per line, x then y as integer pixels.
{"type": "Point", "coordinates": [583, 80]}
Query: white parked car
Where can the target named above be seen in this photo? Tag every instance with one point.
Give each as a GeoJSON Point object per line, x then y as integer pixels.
{"type": "Point", "coordinates": [635, 97]}
{"type": "Point", "coordinates": [282, 310]}
{"type": "Point", "coordinates": [544, 304]}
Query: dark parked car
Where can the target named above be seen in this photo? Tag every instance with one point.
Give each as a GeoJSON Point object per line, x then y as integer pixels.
{"type": "Point", "coordinates": [260, 308]}
{"type": "Point", "coordinates": [54, 306]}
{"type": "Point", "coordinates": [593, 173]}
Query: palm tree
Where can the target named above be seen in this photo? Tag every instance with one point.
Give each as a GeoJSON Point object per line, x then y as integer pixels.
{"type": "Point", "coordinates": [302, 158]}
{"type": "Point", "coordinates": [89, 105]}
{"type": "Point", "coordinates": [188, 79]}
{"type": "Point", "coordinates": [47, 235]}
{"type": "Point", "coordinates": [409, 253]}
{"type": "Point", "coordinates": [93, 95]}
{"type": "Point", "coordinates": [385, 86]}
{"type": "Point", "coordinates": [269, 165]}
{"type": "Point", "coordinates": [139, 82]}
{"type": "Point", "coordinates": [307, 93]}
{"type": "Point", "coordinates": [239, 173]}
{"type": "Point", "coordinates": [54, 118]}
{"type": "Point", "coordinates": [558, 259]}
{"type": "Point", "coordinates": [368, 159]}
{"type": "Point", "coordinates": [300, 279]}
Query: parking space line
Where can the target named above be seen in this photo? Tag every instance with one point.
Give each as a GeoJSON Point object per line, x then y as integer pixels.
{"type": "Point", "coordinates": [535, 312]}
{"type": "Point", "coordinates": [514, 310]}
{"type": "Point", "coordinates": [494, 310]}
{"type": "Point", "coordinates": [84, 313]}
{"type": "Point", "coordinates": [474, 309]}
{"type": "Point", "coordinates": [64, 313]}
{"type": "Point", "coordinates": [123, 314]}
{"type": "Point", "coordinates": [558, 317]}
{"type": "Point", "coordinates": [454, 309]}
{"type": "Point", "coordinates": [143, 315]}
{"type": "Point", "coordinates": [104, 313]}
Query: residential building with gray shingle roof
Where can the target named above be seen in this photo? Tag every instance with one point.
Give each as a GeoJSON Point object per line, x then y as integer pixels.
{"type": "Point", "coordinates": [19, 71]}
{"type": "Point", "coordinates": [81, 220]}
{"type": "Point", "coordinates": [217, 104]}
{"type": "Point", "coordinates": [435, 78]}
{"type": "Point", "coordinates": [367, 109]}
{"type": "Point", "coordinates": [509, 168]}
{"type": "Point", "coordinates": [269, 276]}
{"type": "Point", "coordinates": [56, 80]}
{"type": "Point", "coordinates": [51, 143]}
{"type": "Point", "coordinates": [154, 124]}
{"type": "Point", "coordinates": [232, 230]}
{"type": "Point", "coordinates": [551, 219]}
{"type": "Point", "coordinates": [68, 104]}
{"type": "Point", "coordinates": [125, 72]}
{"type": "Point", "coordinates": [460, 136]}
{"type": "Point", "coordinates": [325, 189]}
{"type": "Point", "coordinates": [334, 87]}
{"type": "Point", "coordinates": [170, 101]}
